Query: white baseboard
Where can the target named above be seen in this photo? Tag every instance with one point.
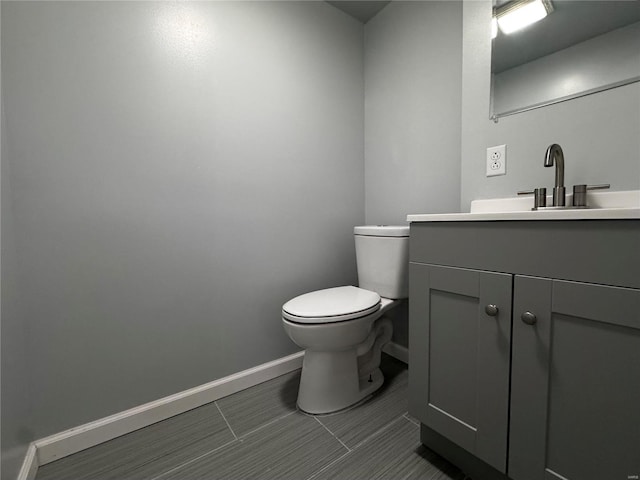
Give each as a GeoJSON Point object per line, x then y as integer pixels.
{"type": "Point", "coordinates": [29, 465]}
{"type": "Point", "coordinates": [397, 351]}
{"type": "Point", "coordinates": [65, 443]}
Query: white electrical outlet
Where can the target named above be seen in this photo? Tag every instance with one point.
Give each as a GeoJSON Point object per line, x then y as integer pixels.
{"type": "Point", "coordinates": [497, 160]}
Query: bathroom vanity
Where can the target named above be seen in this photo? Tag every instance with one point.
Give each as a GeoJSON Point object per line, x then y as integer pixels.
{"type": "Point", "coordinates": [525, 342]}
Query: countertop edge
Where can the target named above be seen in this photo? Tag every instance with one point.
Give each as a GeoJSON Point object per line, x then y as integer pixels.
{"type": "Point", "coordinates": [588, 214]}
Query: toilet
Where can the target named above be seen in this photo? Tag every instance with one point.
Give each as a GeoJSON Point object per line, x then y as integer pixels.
{"type": "Point", "coordinates": [343, 329]}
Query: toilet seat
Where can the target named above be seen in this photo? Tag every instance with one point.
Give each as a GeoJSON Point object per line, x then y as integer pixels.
{"type": "Point", "coordinates": [331, 305]}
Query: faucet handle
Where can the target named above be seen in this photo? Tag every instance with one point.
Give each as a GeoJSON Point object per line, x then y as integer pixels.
{"type": "Point", "coordinates": [539, 197]}
{"type": "Point", "coordinates": [602, 186]}
{"type": "Point", "coordinates": [580, 193]}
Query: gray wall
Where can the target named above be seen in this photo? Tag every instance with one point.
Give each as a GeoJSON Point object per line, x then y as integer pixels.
{"type": "Point", "coordinates": [598, 133]}
{"type": "Point", "coordinates": [413, 64]}
{"type": "Point", "coordinates": [178, 171]}
{"type": "Point", "coordinates": [14, 391]}
{"type": "Point", "coordinates": [413, 70]}
{"type": "Point", "coordinates": [166, 189]}
{"type": "Point", "coordinates": [15, 414]}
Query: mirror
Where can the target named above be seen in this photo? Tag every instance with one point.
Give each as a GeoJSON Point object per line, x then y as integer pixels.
{"type": "Point", "coordinates": [582, 47]}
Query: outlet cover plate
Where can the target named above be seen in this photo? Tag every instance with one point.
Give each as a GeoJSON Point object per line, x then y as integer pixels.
{"type": "Point", "coordinates": [497, 160]}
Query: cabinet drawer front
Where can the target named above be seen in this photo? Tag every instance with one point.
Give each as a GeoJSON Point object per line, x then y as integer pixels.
{"type": "Point", "coordinates": [459, 356]}
{"type": "Point", "coordinates": [575, 382]}
{"type": "Point", "coordinates": [523, 247]}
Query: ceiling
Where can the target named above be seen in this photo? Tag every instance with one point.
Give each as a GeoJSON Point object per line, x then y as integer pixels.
{"type": "Point", "coordinates": [362, 10]}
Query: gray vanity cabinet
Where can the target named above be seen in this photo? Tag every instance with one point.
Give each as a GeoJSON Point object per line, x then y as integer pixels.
{"type": "Point", "coordinates": [546, 385]}
{"type": "Point", "coordinates": [575, 381]}
{"type": "Point", "coordinates": [465, 351]}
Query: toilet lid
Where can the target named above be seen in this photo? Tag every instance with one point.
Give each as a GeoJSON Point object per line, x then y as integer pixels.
{"type": "Point", "coordinates": [331, 305]}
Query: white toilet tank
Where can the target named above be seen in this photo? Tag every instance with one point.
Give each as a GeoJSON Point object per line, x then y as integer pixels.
{"type": "Point", "coordinates": [382, 255]}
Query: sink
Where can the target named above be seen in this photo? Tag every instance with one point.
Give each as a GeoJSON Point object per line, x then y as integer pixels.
{"type": "Point", "coordinates": [601, 206]}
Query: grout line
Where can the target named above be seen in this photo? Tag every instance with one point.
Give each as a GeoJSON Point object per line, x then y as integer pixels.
{"type": "Point", "coordinates": [315, 474]}
{"type": "Point", "coordinates": [380, 430]}
{"type": "Point", "coordinates": [226, 421]}
{"type": "Point", "coordinates": [237, 440]}
{"type": "Point", "coordinates": [332, 434]}
{"type": "Point", "coordinates": [270, 422]}
{"type": "Point", "coordinates": [193, 460]}
{"type": "Point", "coordinates": [350, 451]}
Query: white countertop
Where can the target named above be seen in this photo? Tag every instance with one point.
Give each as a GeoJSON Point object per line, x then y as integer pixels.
{"type": "Point", "coordinates": [581, 214]}
{"type": "Point", "coordinates": [602, 206]}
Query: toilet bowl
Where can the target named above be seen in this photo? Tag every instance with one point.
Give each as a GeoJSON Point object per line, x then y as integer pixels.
{"type": "Point", "coordinates": [343, 329]}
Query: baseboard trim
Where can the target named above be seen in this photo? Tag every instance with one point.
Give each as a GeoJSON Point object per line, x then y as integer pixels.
{"type": "Point", "coordinates": [30, 464]}
{"type": "Point", "coordinates": [65, 443]}
{"type": "Point", "coordinates": [76, 439]}
{"type": "Point", "coordinates": [397, 351]}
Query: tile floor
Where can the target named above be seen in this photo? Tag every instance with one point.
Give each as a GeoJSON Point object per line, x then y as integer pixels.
{"type": "Point", "coordinates": [259, 434]}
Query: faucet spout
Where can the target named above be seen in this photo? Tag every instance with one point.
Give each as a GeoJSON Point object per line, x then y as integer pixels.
{"type": "Point", "coordinates": [555, 156]}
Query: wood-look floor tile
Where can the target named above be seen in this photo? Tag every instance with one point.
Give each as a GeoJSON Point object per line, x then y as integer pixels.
{"type": "Point", "coordinates": [293, 447]}
{"type": "Point", "coordinates": [387, 404]}
{"type": "Point", "coordinates": [394, 453]}
{"type": "Point", "coordinates": [147, 452]}
{"type": "Point", "coordinates": [256, 406]}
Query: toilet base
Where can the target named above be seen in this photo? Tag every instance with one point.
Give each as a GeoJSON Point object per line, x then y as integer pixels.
{"type": "Point", "coordinates": [333, 381]}
{"type": "Point", "coordinates": [320, 395]}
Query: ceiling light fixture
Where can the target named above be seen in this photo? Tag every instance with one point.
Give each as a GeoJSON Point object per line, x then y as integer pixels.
{"type": "Point", "coordinates": [518, 14]}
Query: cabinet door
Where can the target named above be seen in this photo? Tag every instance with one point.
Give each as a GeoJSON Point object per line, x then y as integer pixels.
{"type": "Point", "coordinates": [459, 356]}
{"type": "Point", "coordinates": [575, 385]}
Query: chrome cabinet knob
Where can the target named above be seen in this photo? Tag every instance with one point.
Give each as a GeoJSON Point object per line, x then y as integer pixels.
{"type": "Point", "coordinates": [528, 318]}
{"type": "Point", "coordinates": [491, 310]}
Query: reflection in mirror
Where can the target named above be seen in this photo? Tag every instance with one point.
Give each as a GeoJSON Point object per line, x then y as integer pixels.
{"type": "Point", "coordinates": [581, 47]}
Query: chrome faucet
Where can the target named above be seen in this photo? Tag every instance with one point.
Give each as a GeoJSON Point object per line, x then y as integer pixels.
{"type": "Point", "coordinates": [554, 154]}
